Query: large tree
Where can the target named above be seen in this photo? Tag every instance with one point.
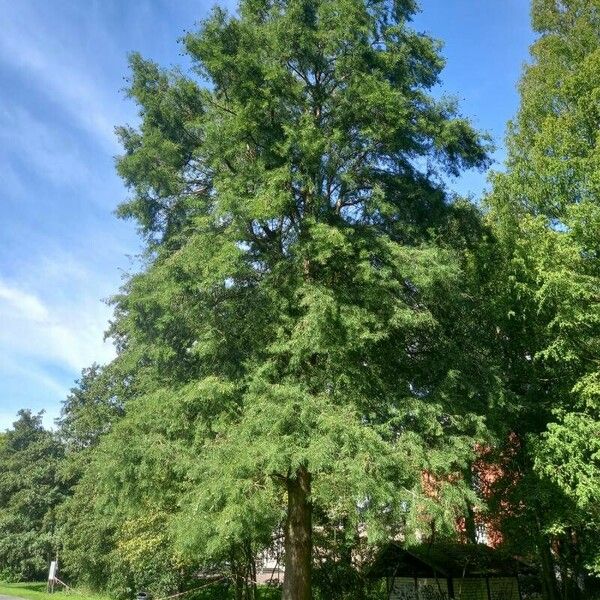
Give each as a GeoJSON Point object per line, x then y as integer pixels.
{"type": "Point", "coordinates": [299, 339]}
{"type": "Point", "coordinates": [546, 216]}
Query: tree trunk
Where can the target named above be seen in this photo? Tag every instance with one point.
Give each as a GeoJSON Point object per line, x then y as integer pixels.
{"type": "Point", "coordinates": [239, 587]}
{"type": "Point", "coordinates": [298, 539]}
{"type": "Point", "coordinates": [572, 578]}
{"type": "Point", "coordinates": [549, 587]}
{"type": "Point", "coordinates": [470, 526]}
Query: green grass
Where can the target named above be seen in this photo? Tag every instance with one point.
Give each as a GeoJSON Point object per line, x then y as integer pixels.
{"type": "Point", "coordinates": [37, 591]}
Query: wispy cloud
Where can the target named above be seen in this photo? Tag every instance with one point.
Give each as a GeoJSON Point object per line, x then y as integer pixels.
{"type": "Point", "coordinates": [49, 152]}
{"type": "Point", "coordinates": [31, 45]}
{"type": "Point", "coordinates": [58, 331]}
{"type": "Point", "coordinates": [30, 372]}
{"type": "Point", "coordinates": [53, 322]}
{"type": "Point", "coordinates": [61, 67]}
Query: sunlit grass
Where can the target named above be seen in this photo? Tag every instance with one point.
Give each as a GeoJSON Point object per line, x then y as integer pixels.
{"type": "Point", "coordinates": [37, 591]}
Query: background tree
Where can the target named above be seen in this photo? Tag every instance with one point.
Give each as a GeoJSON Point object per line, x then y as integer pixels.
{"type": "Point", "coordinates": [30, 491]}
{"type": "Point", "coordinates": [88, 538]}
{"type": "Point", "coordinates": [545, 214]}
{"type": "Point", "coordinates": [93, 405]}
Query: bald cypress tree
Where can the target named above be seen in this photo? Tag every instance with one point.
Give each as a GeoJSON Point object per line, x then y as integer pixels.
{"type": "Point", "coordinates": [302, 312]}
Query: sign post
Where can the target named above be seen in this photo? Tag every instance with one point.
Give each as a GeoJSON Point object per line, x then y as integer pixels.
{"type": "Point", "coordinates": [52, 576]}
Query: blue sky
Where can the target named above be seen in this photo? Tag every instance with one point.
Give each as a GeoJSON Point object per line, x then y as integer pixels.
{"type": "Point", "coordinates": [62, 64]}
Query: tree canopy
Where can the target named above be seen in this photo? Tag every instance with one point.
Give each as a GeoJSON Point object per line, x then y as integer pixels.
{"type": "Point", "coordinates": [301, 299]}
{"type": "Point", "coordinates": [546, 213]}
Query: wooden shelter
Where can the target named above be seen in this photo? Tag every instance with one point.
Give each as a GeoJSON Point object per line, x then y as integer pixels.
{"type": "Point", "coordinates": [448, 571]}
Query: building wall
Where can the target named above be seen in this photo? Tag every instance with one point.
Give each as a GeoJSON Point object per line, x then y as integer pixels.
{"type": "Point", "coordinates": [504, 588]}
{"type": "Point", "coordinates": [432, 589]}
{"type": "Point", "coordinates": [403, 588]}
{"type": "Point", "coordinates": [468, 588]}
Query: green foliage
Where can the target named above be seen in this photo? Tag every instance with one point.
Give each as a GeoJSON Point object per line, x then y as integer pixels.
{"type": "Point", "coordinates": [90, 409]}
{"type": "Point", "coordinates": [114, 550]}
{"type": "Point", "coordinates": [313, 302]}
{"type": "Point", "coordinates": [30, 491]}
{"type": "Point", "coordinates": [545, 214]}
{"type": "Point", "coordinates": [305, 302]}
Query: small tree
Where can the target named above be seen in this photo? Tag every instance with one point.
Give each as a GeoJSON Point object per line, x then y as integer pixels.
{"type": "Point", "coordinates": [30, 491]}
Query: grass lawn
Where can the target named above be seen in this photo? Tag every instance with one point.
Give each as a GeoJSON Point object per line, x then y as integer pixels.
{"type": "Point", "coordinates": [37, 591]}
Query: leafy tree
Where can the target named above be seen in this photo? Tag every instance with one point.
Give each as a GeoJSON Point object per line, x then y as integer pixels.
{"type": "Point", "coordinates": [88, 541]}
{"type": "Point", "coordinates": [30, 490]}
{"type": "Point", "coordinates": [90, 409]}
{"type": "Point", "coordinates": [545, 213]}
{"type": "Point", "coordinates": [102, 545]}
{"type": "Point", "coordinates": [300, 320]}
{"type": "Point", "coordinates": [110, 543]}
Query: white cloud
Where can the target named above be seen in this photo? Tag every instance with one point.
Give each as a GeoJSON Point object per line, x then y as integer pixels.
{"type": "Point", "coordinates": [30, 372]}
{"type": "Point", "coordinates": [25, 384]}
{"type": "Point", "coordinates": [64, 330]}
{"type": "Point", "coordinates": [52, 323]}
{"type": "Point", "coordinates": [22, 302]}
